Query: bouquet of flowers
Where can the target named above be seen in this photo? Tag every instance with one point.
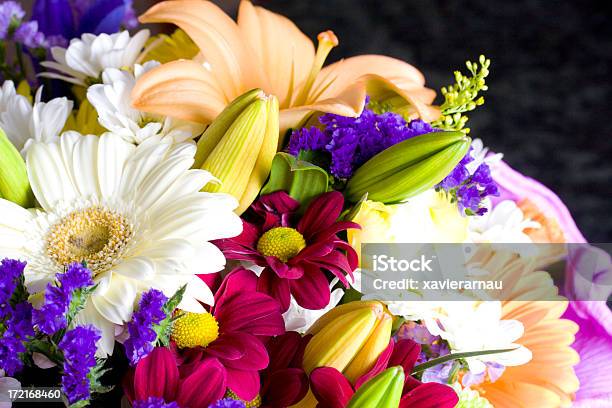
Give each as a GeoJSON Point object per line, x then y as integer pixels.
{"type": "Point", "coordinates": [185, 222]}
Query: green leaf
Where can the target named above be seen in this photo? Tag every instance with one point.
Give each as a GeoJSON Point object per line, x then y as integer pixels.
{"type": "Point", "coordinates": [455, 356]}
{"type": "Point", "coordinates": [164, 328]}
{"type": "Point", "coordinates": [174, 301]}
{"type": "Point", "coordinates": [46, 348]}
{"type": "Point", "coordinates": [78, 302]}
{"type": "Point", "coordinates": [302, 180]}
{"type": "Point", "coordinates": [95, 377]}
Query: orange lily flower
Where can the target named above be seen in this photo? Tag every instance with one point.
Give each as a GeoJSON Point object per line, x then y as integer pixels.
{"type": "Point", "coordinates": [267, 51]}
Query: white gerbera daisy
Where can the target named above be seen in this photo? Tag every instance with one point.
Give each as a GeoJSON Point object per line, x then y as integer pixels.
{"type": "Point", "coordinates": [134, 214]}
{"type": "Point", "coordinates": [86, 57]}
{"type": "Point", "coordinates": [23, 122]}
{"type": "Point", "coordinates": [112, 102]}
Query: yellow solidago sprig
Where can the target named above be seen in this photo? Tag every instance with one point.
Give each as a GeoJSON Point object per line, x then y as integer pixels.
{"type": "Point", "coordinates": [463, 96]}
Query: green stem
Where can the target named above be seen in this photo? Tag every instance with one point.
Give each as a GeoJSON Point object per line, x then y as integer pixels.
{"type": "Point", "coordinates": [19, 55]}
{"type": "Point", "coordinates": [455, 356]}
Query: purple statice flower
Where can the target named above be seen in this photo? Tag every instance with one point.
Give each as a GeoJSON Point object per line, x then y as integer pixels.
{"type": "Point", "coordinates": [470, 189]}
{"type": "Point", "coordinates": [154, 402]}
{"type": "Point", "coordinates": [309, 139]}
{"type": "Point", "coordinates": [28, 35]}
{"type": "Point", "coordinates": [227, 403]}
{"type": "Point", "coordinates": [11, 13]}
{"type": "Point", "coordinates": [18, 329]}
{"type": "Point", "coordinates": [51, 317]}
{"type": "Point", "coordinates": [11, 271]}
{"type": "Point", "coordinates": [491, 374]}
{"type": "Point", "coordinates": [142, 335]}
{"type": "Point", "coordinates": [350, 142]}
{"type": "Point", "coordinates": [79, 349]}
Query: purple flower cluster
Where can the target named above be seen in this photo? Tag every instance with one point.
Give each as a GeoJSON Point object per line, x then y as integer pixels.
{"type": "Point", "coordinates": [52, 316]}
{"type": "Point", "coordinates": [470, 189]}
{"type": "Point", "coordinates": [18, 328]}
{"type": "Point", "coordinates": [491, 374]}
{"type": "Point", "coordinates": [350, 142]}
{"type": "Point", "coordinates": [142, 335]}
{"type": "Point", "coordinates": [11, 13]}
{"type": "Point", "coordinates": [154, 402]}
{"type": "Point", "coordinates": [15, 320]}
{"type": "Point", "coordinates": [227, 403]}
{"type": "Point", "coordinates": [10, 274]}
{"type": "Point", "coordinates": [12, 27]}
{"type": "Point", "coordinates": [28, 35]}
{"type": "Point", "coordinates": [79, 348]}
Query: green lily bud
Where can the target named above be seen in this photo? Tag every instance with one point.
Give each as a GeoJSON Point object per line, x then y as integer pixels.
{"type": "Point", "coordinates": [382, 391]}
{"type": "Point", "coordinates": [14, 183]}
{"type": "Point", "coordinates": [239, 146]}
{"type": "Point", "coordinates": [408, 168]}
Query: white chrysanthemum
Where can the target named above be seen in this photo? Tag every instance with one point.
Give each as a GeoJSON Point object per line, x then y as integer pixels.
{"type": "Point", "coordinates": [23, 122]}
{"type": "Point", "coordinates": [478, 326]}
{"type": "Point", "coordinates": [503, 223]}
{"type": "Point", "coordinates": [86, 57]}
{"type": "Point", "coordinates": [134, 214]}
{"type": "Point", "coordinates": [112, 101]}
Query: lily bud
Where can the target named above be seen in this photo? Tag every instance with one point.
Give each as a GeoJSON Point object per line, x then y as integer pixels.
{"type": "Point", "coordinates": [349, 338]}
{"type": "Point", "coordinates": [239, 146]}
{"type": "Point", "coordinates": [14, 183]}
{"type": "Point", "coordinates": [382, 391]}
{"type": "Point", "coordinates": [408, 168]}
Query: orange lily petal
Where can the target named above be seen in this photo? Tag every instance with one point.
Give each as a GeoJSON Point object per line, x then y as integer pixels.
{"type": "Point", "coordinates": [218, 38]}
{"type": "Point", "coordinates": [181, 89]}
{"type": "Point", "coordinates": [284, 52]}
{"type": "Point", "coordinates": [419, 98]}
{"type": "Point", "coordinates": [384, 78]}
{"type": "Point", "coordinates": [349, 102]}
{"type": "Point", "coordinates": [347, 71]}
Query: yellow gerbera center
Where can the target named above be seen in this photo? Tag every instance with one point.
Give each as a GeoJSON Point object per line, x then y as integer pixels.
{"type": "Point", "coordinates": [254, 403]}
{"type": "Point", "coordinates": [97, 236]}
{"type": "Point", "coordinates": [281, 242]}
{"type": "Point", "coordinates": [195, 329]}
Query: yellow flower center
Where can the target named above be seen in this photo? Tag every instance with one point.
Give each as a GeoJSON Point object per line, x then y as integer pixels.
{"type": "Point", "coordinates": [254, 403]}
{"type": "Point", "coordinates": [96, 235]}
{"type": "Point", "coordinates": [281, 242]}
{"type": "Point", "coordinates": [195, 330]}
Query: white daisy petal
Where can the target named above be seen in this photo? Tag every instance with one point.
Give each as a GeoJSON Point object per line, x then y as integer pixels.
{"type": "Point", "coordinates": [24, 122]}
{"type": "Point", "coordinates": [89, 315]}
{"type": "Point", "coordinates": [112, 97]}
{"type": "Point", "coordinates": [198, 290]}
{"type": "Point", "coordinates": [136, 268]}
{"type": "Point", "coordinates": [48, 175]}
{"type": "Point", "coordinates": [112, 156]}
{"type": "Point", "coordinates": [86, 57]}
{"type": "Point", "coordinates": [106, 203]}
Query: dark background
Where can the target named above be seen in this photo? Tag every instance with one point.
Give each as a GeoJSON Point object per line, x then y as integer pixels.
{"type": "Point", "coordinates": [548, 108]}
